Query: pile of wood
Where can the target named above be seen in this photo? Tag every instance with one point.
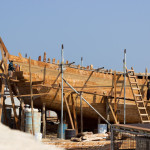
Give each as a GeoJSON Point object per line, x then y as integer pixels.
{"type": "Point", "coordinates": [89, 136]}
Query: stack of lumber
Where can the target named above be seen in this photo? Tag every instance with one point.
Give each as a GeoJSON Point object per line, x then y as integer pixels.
{"type": "Point", "coordinates": [89, 136]}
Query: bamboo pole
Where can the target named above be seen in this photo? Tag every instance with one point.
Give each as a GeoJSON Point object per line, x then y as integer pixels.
{"type": "Point", "coordinates": [31, 92]}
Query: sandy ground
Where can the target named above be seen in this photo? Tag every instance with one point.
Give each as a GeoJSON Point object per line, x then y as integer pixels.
{"type": "Point", "coordinates": [69, 145]}
{"type": "Point", "coordinates": [17, 140]}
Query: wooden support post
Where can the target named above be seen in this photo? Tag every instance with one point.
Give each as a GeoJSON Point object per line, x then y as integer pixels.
{"type": "Point", "coordinates": [2, 96]}
{"type": "Point", "coordinates": [44, 122]}
{"type": "Point", "coordinates": [81, 112]}
{"type": "Point", "coordinates": [115, 87]}
{"type": "Point", "coordinates": [107, 111]}
{"type": "Point", "coordinates": [21, 111]}
{"type": "Point", "coordinates": [74, 114]}
{"type": "Point", "coordinates": [70, 117]}
{"type": "Point", "coordinates": [115, 119]}
{"type": "Point", "coordinates": [22, 115]}
{"type": "Point", "coordinates": [31, 92]}
{"type": "Point", "coordinates": [13, 104]}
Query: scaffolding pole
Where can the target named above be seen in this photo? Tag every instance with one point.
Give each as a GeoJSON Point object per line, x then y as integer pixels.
{"type": "Point", "coordinates": [124, 86]}
{"type": "Point", "coordinates": [87, 102]}
{"type": "Point", "coordinates": [62, 62]}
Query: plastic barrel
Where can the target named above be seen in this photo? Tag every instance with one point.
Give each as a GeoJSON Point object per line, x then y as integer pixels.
{"type": "Point", "coordinates": [38, 136]}
{"type": "Point", "coordinates": [65, 126]}
{"type": "Point", "coordinates": [37, 122]}
{"type": "Point", "coordinates": [69, 133]}
{"type": "Point", "coordinates": [102, 128]}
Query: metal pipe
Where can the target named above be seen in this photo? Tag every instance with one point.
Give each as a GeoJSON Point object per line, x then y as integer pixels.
{"type": "Point", "coordinates": [124, 86]}
{"type": "Point", "coordinates": [87, 102]}
{"type": "Point", "coordinates": [62, 62]}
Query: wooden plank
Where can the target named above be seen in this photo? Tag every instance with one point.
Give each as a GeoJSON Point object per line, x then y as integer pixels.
{"type": "Point", "coordinates": [31, 92]}
{"type": "Point", "coordinates": [74, 114]}
{"type": "Point", "coordinates": [69, 113]}
{"type": "Point", "coordinates": [44, 121]}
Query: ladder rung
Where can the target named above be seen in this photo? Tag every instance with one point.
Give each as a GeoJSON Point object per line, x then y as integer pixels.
{"type": "Point", "coordinates": [130, 70]}
{"type": "Point", "coordinates": [135, 88]}
{"type": "Point", "coordinates": [146, 121]}
{"type": "Point", "coordinates": [144, 114]}
{"type": "Point", "coordinates": [137, 95]}
{"type": "Point", "coordinates": [139, 101]}
{"type": "Point", "coordinates": [132, 76]}
{"type": "Point", "coordinates": [133, 82]}
{"type": "Point", "coordinates": [141, 107]}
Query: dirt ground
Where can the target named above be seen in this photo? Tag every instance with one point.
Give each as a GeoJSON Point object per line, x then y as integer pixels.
{"type": "Point", "coordinates": [70, 145]}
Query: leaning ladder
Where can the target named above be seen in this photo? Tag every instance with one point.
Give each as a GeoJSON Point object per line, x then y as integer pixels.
{"type": "Point", "coordinates": [138, 96]}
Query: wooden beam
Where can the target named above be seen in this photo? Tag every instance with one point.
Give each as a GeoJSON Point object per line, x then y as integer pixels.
{"type": "Point", "coordinates": [31, 92]}
{"type": "Point", "coordinates": [74, 114]}
{"type": "Point", "coordinates": [44, 121]}
{"type": "Point", "coordinates": [13, 104]}
{"type": "Point", "coordinates": [3, 45]}
{"type": "Point", "coordinates": [115, 119]}
{"type": "Point", "coordinates": [2, 97]}
{"type": "Point", "coordinates": [29, 95]}
{"type": "Point", "coordinates": [69, 113]}
{"type": "Point", "coordinates": [5, 113]}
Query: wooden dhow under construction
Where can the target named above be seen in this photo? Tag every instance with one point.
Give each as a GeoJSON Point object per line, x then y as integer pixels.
{"type": "Point", "coordinates": [103, 89]}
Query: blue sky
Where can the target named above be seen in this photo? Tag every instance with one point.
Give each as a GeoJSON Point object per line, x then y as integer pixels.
{"type": "Point", "coordinates": [96, 30]}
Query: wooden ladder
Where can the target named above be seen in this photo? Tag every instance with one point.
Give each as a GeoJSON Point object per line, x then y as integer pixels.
{"type": "Point", "coordinates": [138, 96]}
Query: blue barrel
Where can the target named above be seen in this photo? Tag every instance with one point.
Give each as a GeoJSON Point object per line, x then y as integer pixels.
{"type": "Point", "coordinates": [37, 122]}
{"type": "Point", "coordinates": [65, 126]}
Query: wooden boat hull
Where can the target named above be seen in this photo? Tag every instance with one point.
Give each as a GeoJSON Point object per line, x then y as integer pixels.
{"type": "Point", "coordinates": [97, 89]}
